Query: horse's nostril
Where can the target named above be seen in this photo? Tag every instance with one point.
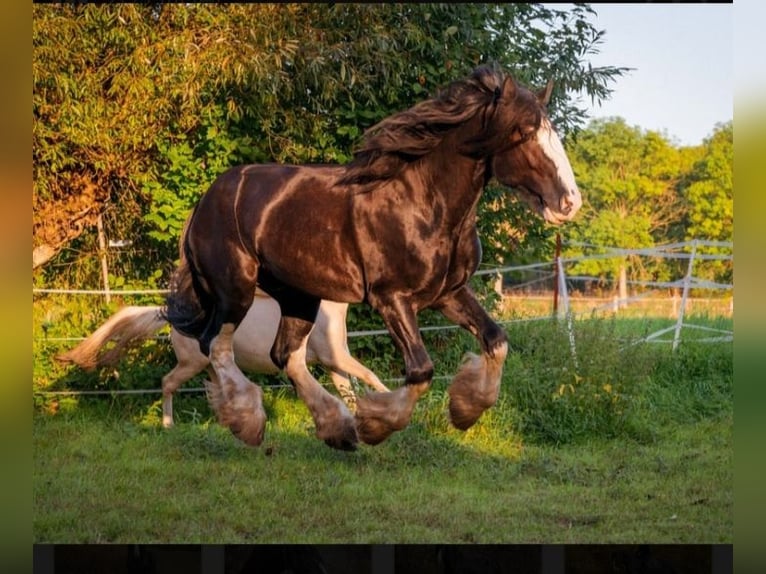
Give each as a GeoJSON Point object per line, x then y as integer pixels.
{"type": "Point", "coordinates": [566, 205]}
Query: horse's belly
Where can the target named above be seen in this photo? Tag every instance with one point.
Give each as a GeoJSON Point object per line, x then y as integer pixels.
{"type": "Point", "coordinates": [255, 336]}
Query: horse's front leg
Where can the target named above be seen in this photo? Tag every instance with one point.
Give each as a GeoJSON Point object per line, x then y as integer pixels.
{"type": "Point", "coordinates": [476, 385]}
{"type": "Point", "coordinates": [379, 414]}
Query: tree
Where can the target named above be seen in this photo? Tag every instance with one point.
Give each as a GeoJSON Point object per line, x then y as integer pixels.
{"type": "Point", "coordinates": [629, 181]}
{"type": "Point", "coordinates": [136, 108]}
{"type": "Point", "coordinates": [708, 194]}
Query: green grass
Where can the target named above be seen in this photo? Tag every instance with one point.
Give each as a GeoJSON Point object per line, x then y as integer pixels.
{"type": "Point", "coordinates": [102, 479]}
{"type": "Point", "coordinates": [615, 443]}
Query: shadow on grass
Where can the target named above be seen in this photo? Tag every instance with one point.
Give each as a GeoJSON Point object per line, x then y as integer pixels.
{"type": "Point", "coordinates": [427, 442]}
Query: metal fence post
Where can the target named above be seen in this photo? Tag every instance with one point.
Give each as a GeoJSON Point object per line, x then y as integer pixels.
{"type": "Point", "coordinates": [684, 296]}
{"type": "Point", "coordinates": [564, 310]}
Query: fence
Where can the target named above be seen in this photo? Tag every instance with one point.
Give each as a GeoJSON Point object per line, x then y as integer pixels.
{"type": "Point", "coordinates": [564, 306]}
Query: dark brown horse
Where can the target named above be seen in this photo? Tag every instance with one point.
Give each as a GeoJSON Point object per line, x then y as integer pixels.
{"type": "Point", "coordinates": [395, 228]}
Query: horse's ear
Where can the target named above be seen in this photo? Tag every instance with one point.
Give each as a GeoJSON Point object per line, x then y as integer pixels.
{"type": "Point", "coordinates": [509, 89]}
{"type": "Point", "coordinates": [544, 95]}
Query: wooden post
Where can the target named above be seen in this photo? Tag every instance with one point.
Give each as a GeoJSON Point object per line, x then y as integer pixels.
{"type": "Point", "coordinates": [102, 255]}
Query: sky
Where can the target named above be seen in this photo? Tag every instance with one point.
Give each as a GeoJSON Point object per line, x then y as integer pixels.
{"type": "Point", "coordinates": [683, 55]}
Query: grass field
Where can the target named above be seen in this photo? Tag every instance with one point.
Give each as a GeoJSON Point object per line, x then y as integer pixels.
{"type": "Point", "coordinates": [617, 443]}
{"type": "Point", "coordinates": [106, 478]}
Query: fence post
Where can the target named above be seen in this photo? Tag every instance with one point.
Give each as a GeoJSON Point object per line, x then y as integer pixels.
{"type": "Point", "coordinates": [566, 312]}
{"type": "Point", "coordinates": [562, 309]}
{"type": "Point", "coordinates": [556, 261]}
{"type": "Point", "coordinates": [102, 255]}
{"type": "Point", "coordinates": [684, 296]}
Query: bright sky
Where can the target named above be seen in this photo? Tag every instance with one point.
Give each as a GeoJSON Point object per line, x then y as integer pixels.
{"type": "Point", "coordinates": [683, 83]}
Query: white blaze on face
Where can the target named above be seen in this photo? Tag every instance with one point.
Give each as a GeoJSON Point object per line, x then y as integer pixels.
{"type": "Point", "coordinates": [549, 141]}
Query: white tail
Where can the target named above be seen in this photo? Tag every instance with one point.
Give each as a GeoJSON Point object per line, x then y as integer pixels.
{"type": "Point", "coordinates": [125, 328]}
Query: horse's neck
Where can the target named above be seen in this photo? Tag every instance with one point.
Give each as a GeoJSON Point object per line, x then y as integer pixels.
{"type": "Point", "coordinates": [456, 182]}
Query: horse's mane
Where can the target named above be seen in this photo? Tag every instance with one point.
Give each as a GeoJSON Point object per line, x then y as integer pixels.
{"type": "Point", "coordinates": [405, 136]}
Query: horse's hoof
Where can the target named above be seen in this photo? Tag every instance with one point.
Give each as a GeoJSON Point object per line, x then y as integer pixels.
{"type": "Point", "coordinates": [342, 444]}
{"type": "Point", "coordinates": [379, 415]}
{"type": "Point", "coordinates": [464, 410]}
{"type": "Point", "coordinates": [373, 431]}
{"type": "Point", "coordinates": [251, 431]}
{"type": "Point", "coordinates": [463, 418]}
{"type": "Point", "coordinates": [344, 439]}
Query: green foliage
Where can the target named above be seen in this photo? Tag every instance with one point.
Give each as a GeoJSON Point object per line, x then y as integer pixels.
{"type": "Point", "coordinates": [190, 167]}
{"type": "Point", "coordinates": [562, 394]}
{"type": "Point", "coordinates": [708, 192]}
{"type": "Point", "coordinates": [149, 103]}
{"type": "Point", "coordinates": [510, 233]}
{"type": "Point", "coordinates": [641, 191]}
{"type": "Point", "coordinates": [710, 188]}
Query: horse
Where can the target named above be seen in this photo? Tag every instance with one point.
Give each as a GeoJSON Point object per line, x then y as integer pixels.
{"type": "Point", "coordinates": [395, 228]}
{"type": "Point", "coordinates": [326, 344]}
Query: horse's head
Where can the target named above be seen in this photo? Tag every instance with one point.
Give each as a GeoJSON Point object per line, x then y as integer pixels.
{"type": "Point", "coordinates": [533, 162]}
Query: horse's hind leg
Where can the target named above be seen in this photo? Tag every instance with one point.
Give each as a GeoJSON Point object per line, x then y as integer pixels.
{"type": "Point", "coordinates": [238, 403]}
{"type": "Point", "coordinates": [190, 362]}
{"type": "Point", "coordinates": [181, 373]}
{"type": "Point", "coordinates": [212, 294]}
{"type": "Point", "coordinates": [476, 385]}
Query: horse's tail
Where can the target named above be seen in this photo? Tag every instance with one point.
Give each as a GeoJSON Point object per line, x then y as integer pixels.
{"type": "Point", "coordinates": [125, 328]}
{"type": "Point", "coordinates": [185, 306]}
